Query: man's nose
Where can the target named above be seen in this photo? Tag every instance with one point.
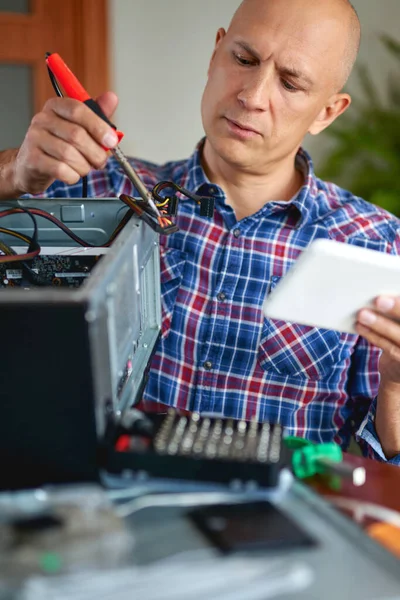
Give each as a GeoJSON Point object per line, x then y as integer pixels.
{"type": "Point", "coordinates": [256, 90]}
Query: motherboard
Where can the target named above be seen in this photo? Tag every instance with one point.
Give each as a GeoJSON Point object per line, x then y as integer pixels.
{"type": "Point", "coordinates": [48, 270]}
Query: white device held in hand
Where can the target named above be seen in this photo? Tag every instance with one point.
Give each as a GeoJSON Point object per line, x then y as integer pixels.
{"type": "Point", "coordinates": [330, 282]}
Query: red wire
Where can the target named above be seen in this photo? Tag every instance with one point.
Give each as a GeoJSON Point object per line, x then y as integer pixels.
{"type": "Point", "coordinates": [18, 257]}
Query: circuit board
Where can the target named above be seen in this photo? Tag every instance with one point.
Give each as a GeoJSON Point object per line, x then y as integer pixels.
{"type": "Point", "coordinates": [48, 271]}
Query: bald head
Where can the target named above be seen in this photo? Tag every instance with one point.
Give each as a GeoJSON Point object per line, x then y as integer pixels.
{"type": "Point", "coordinates": [276, 75]}
{"type": "Point", "coordinates": [353, 41]}
{"type": "Point", "coordinates": [337, 15]}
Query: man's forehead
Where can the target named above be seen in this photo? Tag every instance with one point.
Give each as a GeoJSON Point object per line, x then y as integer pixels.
{"type": "Point", "coordinates": [318, 8]}
{"type": "Point", "coordinates": [301, 24]}
{"type": "Point", "coordinates": [302, 43]}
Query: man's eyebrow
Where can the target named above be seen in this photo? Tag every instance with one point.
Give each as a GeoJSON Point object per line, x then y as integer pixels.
{"type": "Point", "coordinates": [248, 49]}
{"type": "Point", "coordinates": [284, 71]}
{"type": "Point", "coordinates": [295, 74]}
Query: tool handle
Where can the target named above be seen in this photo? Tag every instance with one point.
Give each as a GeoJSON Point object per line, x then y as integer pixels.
{"type": "Point", "coordinates": [74, 89]}
{"type": "Point", "coordinates": [307, 460]}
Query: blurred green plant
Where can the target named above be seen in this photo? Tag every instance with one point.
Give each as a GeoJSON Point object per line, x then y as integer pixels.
{"type": "Point", "coordinates": [366, 154]}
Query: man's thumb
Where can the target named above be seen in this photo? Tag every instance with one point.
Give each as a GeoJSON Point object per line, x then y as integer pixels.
{"type": "Point", "coordinates": [108, 103]}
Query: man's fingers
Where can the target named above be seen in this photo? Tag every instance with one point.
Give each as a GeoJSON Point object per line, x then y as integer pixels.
{"type": "Point", "coordinates": [108, 103]}
{"type": "Point", "coordinates": [388, 305]}
{"type": "Point", "coordinates": [44, 168]}
{"type": "Point", "coordinates": [374, 338]}
{"type": "Point", "coordinates": [391, 349]}
{"type": "Point", "coordinates": [81, 115]}
{"type": "Point", "coordinates": [64, 141]}
{"type": "Point", "coordinates": [65, 153]}
{"type": "Point", "coordinates": [383, 320]}
{"type": "Point", "coordinates": [68, 140]}
{"type": "Point", "coordinates": [382, 326]}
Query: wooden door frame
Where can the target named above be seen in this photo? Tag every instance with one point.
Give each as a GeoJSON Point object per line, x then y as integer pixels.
{"type": "Point", "coordinates": [76, 29]}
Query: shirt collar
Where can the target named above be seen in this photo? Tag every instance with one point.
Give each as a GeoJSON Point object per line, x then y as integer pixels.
{"type": "Point", "coordinates": [303, 201]}
{"type": "Point", "coordinates": [196, 179]}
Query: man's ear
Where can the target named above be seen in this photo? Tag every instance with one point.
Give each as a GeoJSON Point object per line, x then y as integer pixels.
{"type": "Point", "coordinates": [335, 107]}
{"type": "Point", "coordinates": [221, 33]}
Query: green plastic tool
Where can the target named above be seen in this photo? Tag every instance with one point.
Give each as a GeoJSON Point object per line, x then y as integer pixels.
{"type": "Point", "coordinates": [309, 458]}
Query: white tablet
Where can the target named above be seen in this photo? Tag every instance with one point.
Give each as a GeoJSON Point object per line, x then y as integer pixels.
{"type": "Point", "coordinates": [330, 282]}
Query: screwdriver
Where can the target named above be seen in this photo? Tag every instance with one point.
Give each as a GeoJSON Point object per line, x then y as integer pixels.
{"type": "Point", "coordinates": [357, 475]}
{"type": "Point", "coordinates": [309, 458]}
{"type": "Point", "coordinates": [74, 89]}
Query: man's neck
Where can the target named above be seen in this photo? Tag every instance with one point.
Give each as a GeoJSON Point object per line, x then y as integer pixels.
{"type": "Point", "coordinates": [248, 192]}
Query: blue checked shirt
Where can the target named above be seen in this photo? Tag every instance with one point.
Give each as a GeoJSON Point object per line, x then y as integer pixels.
{"type": "Point", "coordinates": [218, 353]}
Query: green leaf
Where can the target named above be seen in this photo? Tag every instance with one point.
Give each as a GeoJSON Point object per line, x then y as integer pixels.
{"type": "Point", "coordinates": [369, 91]}
{"type": "Point", "coordinates": [366, 152]}
{"type": "Point", "coordinates": [393, 91]}
{"type": "Point", "coordinates": [392, 45]}
{"type": "Point", "coordinates": [388, 200]}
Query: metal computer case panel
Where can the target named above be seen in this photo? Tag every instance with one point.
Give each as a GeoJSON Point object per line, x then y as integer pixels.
{"type": "Point", "coordinates": [124, 315]}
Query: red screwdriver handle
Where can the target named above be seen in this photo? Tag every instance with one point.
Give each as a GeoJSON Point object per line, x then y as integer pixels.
{"type": "Point", "coordinates": [74, 89]}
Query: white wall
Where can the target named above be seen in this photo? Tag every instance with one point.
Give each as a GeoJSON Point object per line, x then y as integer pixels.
{"type": "Point", "coordinates": [159, 56]}
{"type": "Point", "coordinates": [160, 53]}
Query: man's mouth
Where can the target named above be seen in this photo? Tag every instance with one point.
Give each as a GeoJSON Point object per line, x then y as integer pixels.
{"type": "Point", "coordinates": [247, 129]}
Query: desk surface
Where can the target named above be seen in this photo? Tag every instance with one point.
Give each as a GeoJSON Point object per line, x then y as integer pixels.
{"type": "Point", "coordinates": [381, 489]}
{"type": "Point", "coordinates": [365, 503]}
{"type": "Point", "coordinates": [162, 531]}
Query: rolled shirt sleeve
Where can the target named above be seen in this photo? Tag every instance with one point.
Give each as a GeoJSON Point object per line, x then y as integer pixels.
{"type": "Point", "coordinates": [368, 440]}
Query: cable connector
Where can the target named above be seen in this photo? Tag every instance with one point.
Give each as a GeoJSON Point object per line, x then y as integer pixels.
{"type": "Point", "coordinates": [207, 204]}
{"type": "Point", "coordinates": [172, 206]}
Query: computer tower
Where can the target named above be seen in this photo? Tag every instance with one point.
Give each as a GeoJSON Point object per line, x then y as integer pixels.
{"type": "Point", "coordinates": [78, 349]}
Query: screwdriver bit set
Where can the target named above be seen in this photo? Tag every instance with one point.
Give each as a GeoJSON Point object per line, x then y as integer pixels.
{"type": "Point", "coordinates": [207, 449]}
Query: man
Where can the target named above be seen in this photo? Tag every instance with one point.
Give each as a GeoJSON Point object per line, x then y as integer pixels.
{"type": "Point", "coordinates": [276, 74]}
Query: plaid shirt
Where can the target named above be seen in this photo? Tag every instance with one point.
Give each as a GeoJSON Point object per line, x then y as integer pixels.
{"type": "Point", "coordinates": [218, 354]}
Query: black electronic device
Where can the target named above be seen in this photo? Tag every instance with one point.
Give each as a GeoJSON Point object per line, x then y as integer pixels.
{"type": "Point", "coordinates": [196, 448]}
{"type": "Point", "coordinates": [250, 526]}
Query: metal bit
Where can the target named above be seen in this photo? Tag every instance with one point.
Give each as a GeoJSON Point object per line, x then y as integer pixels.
{"type": "Point", "coordinates": [263, 444]}
{"type": "Point", "coordinates": [173, 446]}
{"type": "Point", "coordinates": [275, 445]}
{"type": "Point", "coordinates": [134, 178]}
{"type": "Point", "coordinates": [239, 440]}
{"type": "Point", "coordinates": [202, 436]}
{"type": "Point", "coordinates": [190, 434]}
{"type": "Point", "coordinates": [164, 432]}
{"type": "Point", "coordinates": [357, 475]}
{"type": "Point", "coordinates": [251, 441]}
{"type": "Point", "coordinates": [225, 444]}
{"type": "Point", "coordinates": [215, 435]}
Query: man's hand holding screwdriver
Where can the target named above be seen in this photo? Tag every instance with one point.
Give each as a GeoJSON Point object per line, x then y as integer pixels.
{"type": "Point", "coordinates": [64, 142]}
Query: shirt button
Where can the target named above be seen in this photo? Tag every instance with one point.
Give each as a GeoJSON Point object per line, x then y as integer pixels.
{"type": "Point", "coordinates": [221, 296]}
{"type": "Point", "coordinates": [236, 233]}
{"type": "Point", "coordinates": [208, 365]}
{"type": "Point", "coordinates": [212, 190]}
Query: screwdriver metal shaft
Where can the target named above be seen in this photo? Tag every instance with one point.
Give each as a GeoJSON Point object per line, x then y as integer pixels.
{"type": "Point", "coordinates": [134, 178]}
{"type": "Point", "coordinates": [357, 475]}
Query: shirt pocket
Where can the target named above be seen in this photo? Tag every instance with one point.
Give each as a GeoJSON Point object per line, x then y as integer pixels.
{"type": "Point", "coordinates": [172, 264]}
{"type": "Point", "coordinates": [297, 350]}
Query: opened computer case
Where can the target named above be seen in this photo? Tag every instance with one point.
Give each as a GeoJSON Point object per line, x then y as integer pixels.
{"type": "Point", "coordinates": [77, 342]}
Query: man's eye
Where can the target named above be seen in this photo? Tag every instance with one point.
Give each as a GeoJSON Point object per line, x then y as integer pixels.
{"type": "Point", "coordinates": [246, 62]}
{"type": "Point", "coordinates": [288, 86]}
